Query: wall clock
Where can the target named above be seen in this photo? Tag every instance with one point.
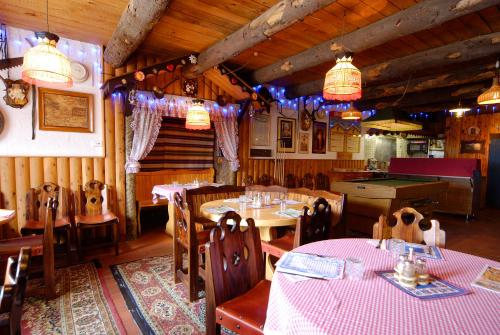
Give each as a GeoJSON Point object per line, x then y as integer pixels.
{"type": "Point", "coordinates": [79, 72]}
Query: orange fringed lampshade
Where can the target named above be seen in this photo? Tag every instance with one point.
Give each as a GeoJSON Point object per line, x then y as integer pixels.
{"type": "Point", "coordinates": [343, 81]}
{"type": "Point", "coordinates": [197, 117]}
{"type": "Point", "coordinates": [44, 64]}
{"type": "Point", "coordinates": [351, 114]}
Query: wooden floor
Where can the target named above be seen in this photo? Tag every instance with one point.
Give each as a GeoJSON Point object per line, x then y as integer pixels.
{"type": "Point", "coordinates": [479, 237]}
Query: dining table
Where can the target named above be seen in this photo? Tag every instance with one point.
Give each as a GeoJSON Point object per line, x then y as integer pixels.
{"type": "Point", "coordinates": [6, 215]}
{"type": "Point", "coordinates": [372, 305]}
{"type": "Point", "coordinates": [167, 191]}
{"type": "Point", "coordinates": [266, 217]}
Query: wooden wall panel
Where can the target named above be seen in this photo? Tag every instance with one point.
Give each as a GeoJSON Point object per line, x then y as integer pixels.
{"type": "Point", "coordinates": [36, 171]}
{"type": "Point", "coordinates": [456, 131]}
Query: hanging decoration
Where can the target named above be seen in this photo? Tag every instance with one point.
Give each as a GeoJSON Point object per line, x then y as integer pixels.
{"type": "Point", "coordinates": [351, 113]}
{"type": "Point", "coordinates": [492, 95]}
{"type": "Point", "coordinates": [343, 81]}
{"type": "Point", "coordinates": [43, 63]}
{"type": "Point", "coordinates": [197, 117]}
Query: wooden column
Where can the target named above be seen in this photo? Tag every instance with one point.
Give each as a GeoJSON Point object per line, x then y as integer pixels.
{"type": "Point", "coordinates": [130, 208]}
{"type": "Point", "coordinates": [119, 110]}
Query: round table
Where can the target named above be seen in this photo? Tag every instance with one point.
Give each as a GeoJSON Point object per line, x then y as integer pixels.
{"type": "Point", "coordinates": [266, 219]}
{"type": "Point", "coordinates": [373, 305]}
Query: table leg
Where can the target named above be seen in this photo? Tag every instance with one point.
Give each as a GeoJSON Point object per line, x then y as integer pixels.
{"type": "Point", "coordinates": [268, 234]}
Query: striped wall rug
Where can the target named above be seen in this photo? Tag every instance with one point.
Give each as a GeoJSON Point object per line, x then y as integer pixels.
{"type": "Point", "coordinates": [157, 304]}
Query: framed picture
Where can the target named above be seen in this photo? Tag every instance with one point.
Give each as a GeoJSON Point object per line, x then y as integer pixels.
{"type": "Point", "coordinates": [472, 147]}
{"type": "Point", "coordinates": [319, 138]}
{"type": "Point", "coordinates": [286, 134]}
{"type": "Point", "coordinates": [303, 143]}
{"type": "Point", "coordinates": [260, 130]}
{"type": "Point", "coordinates": [65, 111]}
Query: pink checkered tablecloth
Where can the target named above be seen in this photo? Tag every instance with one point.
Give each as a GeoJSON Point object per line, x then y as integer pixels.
{"type": "Point", "coordinates": [373, 305]}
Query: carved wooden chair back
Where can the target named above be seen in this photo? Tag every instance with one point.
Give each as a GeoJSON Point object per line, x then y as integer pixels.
{"type": "Point", "coordinates": [182, 227]}
{"type": "Point", "coordinates": [93, 199]}
{"type": "Point", "coordinates": [234, 259]}
{"type": "Point", "coordinates": [322, 182]}
{"type": "Point", "coordinates": [14, 287]}
{"type": "Point", "coordinates": [248, 181]}
{"type": "Point", "coordinates": [308, 181]}
{"type": "Point", "coordinates": [314, 227]}
{"type": "Point", "coordinates": [265, 180]}
{"type": "Point", "coordinates": [36, 201]}
{"type": "Point", "coordinates": [407, 228]}
{"type": "Point", "coordinates": [291, 181]}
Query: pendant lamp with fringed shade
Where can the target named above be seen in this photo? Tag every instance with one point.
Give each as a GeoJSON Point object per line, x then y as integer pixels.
{"type": "Point", "coordinates": [343, 81]}
{"type": "Point", "coordinates": [43, 63]}
{"type": "Point", "coordinates": [197, 117]}
{"type": "Point", "coordinates": [351, 113]}
{"type": "Point", "coordinates": [492, 95]}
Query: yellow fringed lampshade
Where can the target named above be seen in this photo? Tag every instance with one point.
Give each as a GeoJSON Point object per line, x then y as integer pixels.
{"type": "Point", "coordinates": [197, 117]}
{"type": "Point", "coordinates": [343, 81]}
{"type": "Point", "coordinates": [491, 96]}
{"type": "Point", "coordinates": [44, 64]}
{"type": "Point", "coordinates": [351, 114]}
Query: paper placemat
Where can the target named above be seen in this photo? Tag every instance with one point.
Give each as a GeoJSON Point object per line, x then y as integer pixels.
{"type": "Point", "coordinates": [436, 289]}
{"type": "Point", "coordinates": [219, 210]}
{"type": "Point", "coordinates": [309, 265]}
{"type": "Point", "coordinates": [290, 212]}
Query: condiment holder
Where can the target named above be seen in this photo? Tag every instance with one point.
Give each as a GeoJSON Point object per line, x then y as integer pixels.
{"type": "Point", "coordinates": [411, 272]}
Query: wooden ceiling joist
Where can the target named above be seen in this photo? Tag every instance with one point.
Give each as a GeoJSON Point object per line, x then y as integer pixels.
{"type": "Point", "coordinates": [424, 15]}
{"type": "Point", "coordinates": [278, 17]}
{"type": "Point", "coordinates": [458, 52]}
{"type": "Point", "coordinates": [136, 22]}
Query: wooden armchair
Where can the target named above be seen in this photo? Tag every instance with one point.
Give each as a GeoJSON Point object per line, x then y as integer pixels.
{"type": "Point", "coordinates": [265, 180]}
{"type": "Point", "coordinates": [40, 245]}
{"type": "Point", "coordinates": [36, 210]}
{"type": "Point", "coordinates": [407, 228]}
{"type": "Point", "coordinates": [248, 181]}
{"type": "Point", "coordinates": [308, 181]}
{"type": "Point", "coordinates": [322, 182]}
{"type": "Point", "coordinates": [309, 228]}
{"type": "Point", "coordinates": [13, 291]}
{"type": "Point", "coordinates": [291, 181]}
{"type": "Point", "coordinates": [237, 293]}
{"type": "Point", "coordinates": [93, 209]}
{"type": "Point", "coordinates": [188, 239]}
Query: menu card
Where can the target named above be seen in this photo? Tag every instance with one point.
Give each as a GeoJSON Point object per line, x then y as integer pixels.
{"type": "Point", "coordinates": [220, 209]}
{"type": "Point", "coordinates": [310, 265]}
{"type": "Point", "coordinates": [290, 212]}
{"type": "Point", "coordinates": [488, 279]}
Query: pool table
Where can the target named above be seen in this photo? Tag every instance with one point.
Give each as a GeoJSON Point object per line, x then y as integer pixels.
{"type": "Point", "coordinates": [367, 199]}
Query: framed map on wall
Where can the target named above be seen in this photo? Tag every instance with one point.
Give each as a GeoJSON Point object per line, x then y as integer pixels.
{"type": "Point", "coordinates": [65, 111]}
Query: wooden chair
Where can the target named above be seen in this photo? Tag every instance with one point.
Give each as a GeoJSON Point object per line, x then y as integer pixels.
{"type": "Point", "coordinates": [237, 293]}
{"type": "Point", "coordinates": [310, 228]}
{"type": "Point", "coordinates": [36, 210]}
{"type": "Point", "coordinates": [322, 182]}
{"type": "Point", "coordinates": [407, 228]}
{"type": "Point", "coordinates": [13, 291]}
{"type": "Point", "coordinates": [93, 209]}
{"type": "Point", "coordinates": [291, 181]}
{"type": "Point", "coordinates": [41, 245]}
{"type": "Point", "coordinates": [248, 181]}
{"type": "Point", "coordinates": [308, 181]}
{"type": "Point", "coordinates": [189, 238]}
{"type": "Point", "coordinates": [265, 180]}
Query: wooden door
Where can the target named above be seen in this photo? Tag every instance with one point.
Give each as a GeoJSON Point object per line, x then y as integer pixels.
{"type": "Point", "coordinates": [493, 191]}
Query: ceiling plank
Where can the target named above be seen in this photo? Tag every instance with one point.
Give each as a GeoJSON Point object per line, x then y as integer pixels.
{"type": "Point", "coordinates": [136, 22]}
{"type": "Point", "coordinates": [278, 17]}
{"type": "Point", "coordinates": [424, 15]}
{"type": "Point", "coordinates": [458, 52]}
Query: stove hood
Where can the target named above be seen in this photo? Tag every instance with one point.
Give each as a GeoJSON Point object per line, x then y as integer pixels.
{"type": "Point", "coordinates": [391, 120]}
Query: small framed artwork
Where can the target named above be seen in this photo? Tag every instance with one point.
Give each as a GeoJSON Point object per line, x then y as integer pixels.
{"type": "Point", "coordinates": [472, 147]}
{"type": "Point", "coordinates": [260, 130]}
{"type": "Point", "coordinates": [303, 143]}
{"type": "Point", "coordinates": [286, 134]}
{"type": "Point", "coordinates": [65, 110]}
{"type": "Point", "coordinates": [319, 138]}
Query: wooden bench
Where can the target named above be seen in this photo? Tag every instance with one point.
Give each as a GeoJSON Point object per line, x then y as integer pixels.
{"type": "Point", "coordinates": [144, 182]}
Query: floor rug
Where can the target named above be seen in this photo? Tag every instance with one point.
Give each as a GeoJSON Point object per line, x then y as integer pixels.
{"type": "Point", "coordinates": [157, 304]}
{"type": "Point", "coordinates": [82, 306]}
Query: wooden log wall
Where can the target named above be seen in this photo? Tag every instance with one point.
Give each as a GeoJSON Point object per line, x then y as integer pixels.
{"type": "Point", "coordinates": [457, 130]}
{"type": "Point", "coordinates": [297, 167]}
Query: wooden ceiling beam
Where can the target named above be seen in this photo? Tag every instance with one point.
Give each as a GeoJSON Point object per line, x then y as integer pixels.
{"type": "Point", "coordinates": [458, 52]}
{"type": "Point", "coordinates": [424, 15]}
{"type": "Point", "coordinates": [136, 22]}
{"type": "Point", "coordinates": [278, 17]}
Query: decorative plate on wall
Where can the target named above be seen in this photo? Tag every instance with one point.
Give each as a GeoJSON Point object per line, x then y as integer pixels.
{"type": "Point", "coordinates": [79, 72]}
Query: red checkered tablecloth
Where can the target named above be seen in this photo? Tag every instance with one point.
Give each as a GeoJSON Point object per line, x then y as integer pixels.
{"type": "Point", "coordinates": [374, 306]}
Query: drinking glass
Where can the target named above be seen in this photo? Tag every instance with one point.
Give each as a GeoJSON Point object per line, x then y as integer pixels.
{"type": "Point", "coordinates": [249, 195]}
{"type": "Point", "coordinates": [397, 247]}
{"type": "Point", "coordinates": [354, 268]}
{"type": "Point", "coordinates": [267, 198]}
{"type": "Point", "coordinates": [282, 205]}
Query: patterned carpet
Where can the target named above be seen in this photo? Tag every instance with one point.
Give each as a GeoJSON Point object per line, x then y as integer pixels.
{"type": "Point", "coordinates": [81, 307]}
{"type": "Point", "coordinates": [157, 304]}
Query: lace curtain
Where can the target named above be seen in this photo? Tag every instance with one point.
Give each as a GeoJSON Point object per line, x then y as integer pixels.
{"type": "Point", "coordinates": [146, 123]}
{"type": "Point", "coordinates": [226, 129]}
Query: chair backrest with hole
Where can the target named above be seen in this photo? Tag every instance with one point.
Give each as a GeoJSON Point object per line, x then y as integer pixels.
{"type": "Point", "coordinates": [322, 182]}
{"type": "Point", "coordinates": [265, 180]}
{"type": "Point", "coordinates": [314, 227]}
{"type": "Point", "coordinates": [291, 181]}
{"type": "Point", "coordinates": [36, 201]}
{"type": "Point", "coordinates": [93, 199]}
{"type": "Point", "coordinates": [248, 181]}
{"type": "Point", "coordinates": [307, 181]}
{"type": "Point", "coordinates": [234, 259]}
